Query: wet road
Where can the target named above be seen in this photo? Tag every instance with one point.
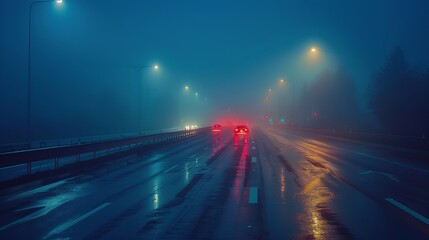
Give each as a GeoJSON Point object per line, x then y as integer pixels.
{"type": "Point", "coordinates": [327, 188]}
{"type": "Point", "coordinates": [272, 185]}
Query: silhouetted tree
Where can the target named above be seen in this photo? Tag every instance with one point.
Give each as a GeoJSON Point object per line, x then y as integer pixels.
{"type": "Point", "coordinates": [398, 96]}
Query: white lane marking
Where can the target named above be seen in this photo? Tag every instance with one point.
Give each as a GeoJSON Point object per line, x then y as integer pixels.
{"type": "Point", "coordinates": [253, 159]}
{"type": "Point", "coordinates": [332, 167]}
{"type": "Point", "coordinates": [392, 162]}
{"type": "Point", "coordinates": [15, 166]}
{"type": "Point", "coordinates": [193, 156]}
{"type": "Point", "coordinates": [389, 175]}
{"type": "Point", "coordinates": [173, 167]}
{"type": "Point", "coordinates": [253, 147]}
{"type": "Point", "coordinates": [73, 222]}
{"type": "Point", "coordinates": [45, 205]}
{"type": "Point", "coordinates": [408, 210]}
{"type": "Point", "coordinates": [40, 189]}
{"type": "Point", "coordinates": [253, 195]}
{"type": "Point", "coordinates": [156, 156]}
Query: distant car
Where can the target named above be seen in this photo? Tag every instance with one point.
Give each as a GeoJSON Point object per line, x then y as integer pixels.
{"type": "Point", "coordinates": [241, 130]}
{"type": "Point", "coordinates": [217, 128]}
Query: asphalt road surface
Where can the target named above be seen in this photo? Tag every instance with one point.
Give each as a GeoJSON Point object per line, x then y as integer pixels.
{"type": "Point", "coordinates": [273, 184]}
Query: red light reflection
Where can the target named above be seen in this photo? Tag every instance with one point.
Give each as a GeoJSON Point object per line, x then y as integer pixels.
{"type": "Point", "coordinates": [216, 142]}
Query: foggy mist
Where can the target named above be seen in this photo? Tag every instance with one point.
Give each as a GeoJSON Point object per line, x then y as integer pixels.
{"type": "Point", "coordinates": [92, 66]}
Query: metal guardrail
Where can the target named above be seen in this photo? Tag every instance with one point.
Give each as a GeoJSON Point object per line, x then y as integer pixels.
{"type": "Point", "coordinates": [15, 158]}
{"type": "Point", "coordinates": [412, 142]}
{"type": "Point", "coordinates": [56, 142]}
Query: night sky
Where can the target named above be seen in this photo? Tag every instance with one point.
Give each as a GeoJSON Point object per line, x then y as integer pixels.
{"type": "Point", "coordinates": [85, 55]}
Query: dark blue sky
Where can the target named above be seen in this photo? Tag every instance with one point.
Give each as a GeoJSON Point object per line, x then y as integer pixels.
{"type": "Point", "coordinates": [229, 51]}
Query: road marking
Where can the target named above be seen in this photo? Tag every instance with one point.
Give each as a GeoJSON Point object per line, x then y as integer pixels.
{"type": "Point", "coordinates": [193, 156]}
{"type": "Point", "coordinates": [173, 167]}
{"type": "Point", "coordinates": [44, 207]}
{"type": "Point", "coordinates": [253, 195]}
{"type": "Point", "coordinates": [253, 147]}
{"type": "Point", "coordinates": [15, 166]}
{"type": "Point", "coordinates": [389, 175]}
{"type": "Point", "coordinates": [73, 222]}
{"type": "Point", "coordinates": [156, 156]}
{"type": "Point", "coordinates": [253, 159]}
{"type": "Point", "coordinates": [408, 210]}
{"type": "Point", "coordinates": [40, 189]}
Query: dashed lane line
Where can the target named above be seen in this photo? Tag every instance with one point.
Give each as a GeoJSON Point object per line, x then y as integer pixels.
{"type": "Point", "coordinates": [75, 221]}
{"type": "Point", "coordinates": [253, 195]}
{"type": "Point", "coordinates": [408, 210]}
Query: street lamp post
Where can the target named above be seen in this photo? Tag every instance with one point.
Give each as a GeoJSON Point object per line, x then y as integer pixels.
{"type": "Point", "coordinates": [293, 103]}
{"type": "Point", "coordinates": [155, 68]}
{"type": "Point", "coordinates": [29, 135]}
{"type": "Point", "coordinates": [282, 81]}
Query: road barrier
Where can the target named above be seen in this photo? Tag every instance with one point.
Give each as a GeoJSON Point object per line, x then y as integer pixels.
{"type": "Point", "coordinates": [412, 142]}
{"type": "Point", "coordinates": [78, 152]}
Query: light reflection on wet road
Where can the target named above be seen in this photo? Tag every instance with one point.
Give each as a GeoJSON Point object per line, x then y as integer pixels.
{"type": "Point", "coordinates": [270, 185]}
{"type": "Point", "coordinates": [331, 179]}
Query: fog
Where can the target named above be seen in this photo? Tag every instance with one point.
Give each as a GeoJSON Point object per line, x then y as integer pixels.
{"type": "Point", "coordinates": [92, 66]}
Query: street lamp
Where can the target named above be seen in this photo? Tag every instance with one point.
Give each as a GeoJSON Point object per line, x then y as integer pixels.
{"type": "Point", "coordinates": [155, 68]}
{"type": "Point", "coordinates": [314, 52]}
{"type": "Point", "coordinates": [29, 135]}
{"type": "Point", "coordinates": [281, 83]}
{"type": "Point", "coordinates": [293, 102]}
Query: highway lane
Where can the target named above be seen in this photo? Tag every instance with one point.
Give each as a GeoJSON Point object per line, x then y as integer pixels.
{"type": "Point", "coordinates": [272, 185]}
{"type": "Point", "coordinates": [330, 188]}
{"type": "Point", "coordinates": [62, 207]}
{"type": "Point", "coordinates": [178, 191]}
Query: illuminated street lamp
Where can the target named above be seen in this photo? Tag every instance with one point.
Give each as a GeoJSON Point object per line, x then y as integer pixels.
{"type": "Point", "coordinates": [281, 83]}
{"type": "Point", "coordinates": [154, 68]}
{"type": "Point", "coordinates": [29, 135]}
{"type": "Point", "coordinates": [314, 52]}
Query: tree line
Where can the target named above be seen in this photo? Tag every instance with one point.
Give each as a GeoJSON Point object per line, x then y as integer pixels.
{"type": "Point", "coordinates": [397, 97]}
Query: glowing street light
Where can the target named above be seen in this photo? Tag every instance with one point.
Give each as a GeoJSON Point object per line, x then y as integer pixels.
{"type": "Point", "coordinates": [155, 67]}
{"type": "Point", "coordinates": [315, 52]}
